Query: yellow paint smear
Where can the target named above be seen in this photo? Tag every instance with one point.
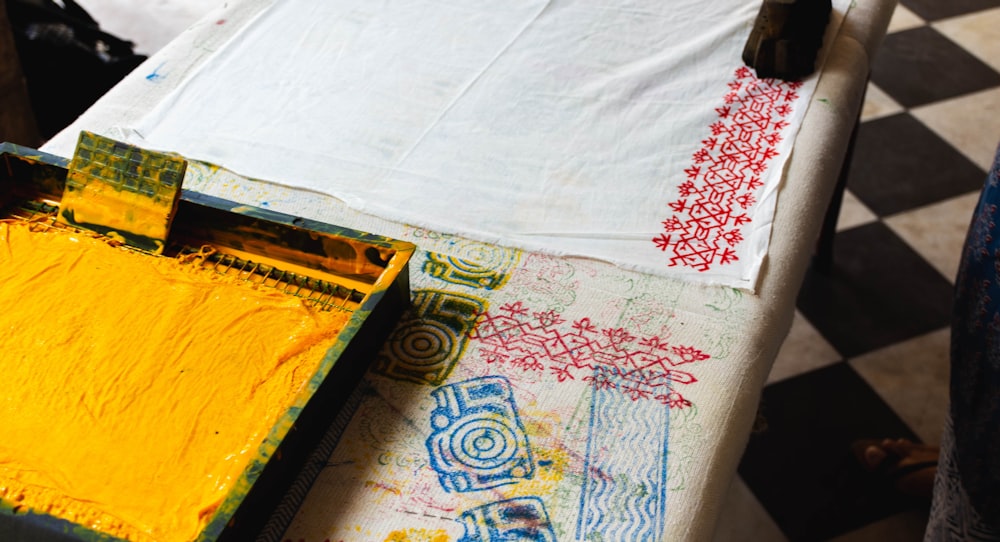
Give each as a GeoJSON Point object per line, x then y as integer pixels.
{"type": "Point", "coordinates": [98, 203]}
{"type": "Point", "coordinates": [418, 535]}
{"type": "Point", "coordinates": [136, 389]}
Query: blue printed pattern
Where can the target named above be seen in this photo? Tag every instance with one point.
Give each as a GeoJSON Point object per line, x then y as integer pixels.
{"type": "Point", "coordinates": [975, 376]}
{"type": "Point", "coordinates": [478, 441]}
{"type": "Point", "coordinates": [624, 494]}
{"type": "Point", "coordinates": [519, 519]}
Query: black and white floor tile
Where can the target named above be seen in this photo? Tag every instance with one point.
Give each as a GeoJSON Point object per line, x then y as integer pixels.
{"type": "Point", "coordinates": [868, 352]}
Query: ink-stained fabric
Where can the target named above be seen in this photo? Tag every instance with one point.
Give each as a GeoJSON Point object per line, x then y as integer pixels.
{"type": "Point", "coordinates": [561, 395]}
{"type": "Point", "coordinates": [564, 396]}
{"type": "Point", "coordinates": [967, 489]}
{"type": "Point", "coordinates": [628, 132]}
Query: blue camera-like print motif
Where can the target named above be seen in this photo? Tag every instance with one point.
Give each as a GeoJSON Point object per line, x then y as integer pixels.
{"type": "Point", "coordinates": [521, 519]}
{"type": "Point", "coordinates": [478, 441]}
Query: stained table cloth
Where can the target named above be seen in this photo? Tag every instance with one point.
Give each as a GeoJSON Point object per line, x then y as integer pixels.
{"type": "Point", "coordinates": [558, 396]}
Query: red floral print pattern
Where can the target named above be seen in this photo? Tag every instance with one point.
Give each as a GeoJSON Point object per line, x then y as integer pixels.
{"type": "Point", "coordinates": [608, 358]}
{"type": "Point", "coordinates": [717, 199]}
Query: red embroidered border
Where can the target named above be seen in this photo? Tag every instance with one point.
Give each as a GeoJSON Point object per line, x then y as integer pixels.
{"type": "Point", "coordinates": [722, 183]}
{"type": "Point", "coordinates": [609, 358]}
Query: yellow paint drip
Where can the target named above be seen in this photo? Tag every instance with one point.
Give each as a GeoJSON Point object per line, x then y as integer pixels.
{"type": "Point", "coordinates": [136, 389]}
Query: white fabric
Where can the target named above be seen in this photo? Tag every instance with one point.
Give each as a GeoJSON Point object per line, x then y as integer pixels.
{"type": "Point", "coordinates": [561, 126]}
{"type": "Point", "coordinates": [740, 332]}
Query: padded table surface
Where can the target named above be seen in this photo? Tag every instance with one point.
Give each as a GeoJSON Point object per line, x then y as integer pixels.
{"type": "Point", "coordinates": [560, 395]}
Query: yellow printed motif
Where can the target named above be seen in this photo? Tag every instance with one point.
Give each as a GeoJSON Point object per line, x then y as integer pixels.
{"type": "Point", "coordinates": [418, 535]}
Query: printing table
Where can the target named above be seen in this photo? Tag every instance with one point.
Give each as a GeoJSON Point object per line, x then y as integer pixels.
{"type": "Point", "coordinates": [491, 410]}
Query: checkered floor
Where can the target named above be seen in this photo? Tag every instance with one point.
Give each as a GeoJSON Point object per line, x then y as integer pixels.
{"type": "Point", "coordinates": [868, 352]}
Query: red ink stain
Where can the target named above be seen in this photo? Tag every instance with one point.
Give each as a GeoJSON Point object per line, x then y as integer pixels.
{"type": "Point", "coordinates": [384, 487]}
{"type": "Point", "coordinates": [220, 21]}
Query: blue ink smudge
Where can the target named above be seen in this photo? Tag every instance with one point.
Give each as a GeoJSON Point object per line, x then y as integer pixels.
{"type": "Point", "coordinates": [155, 75]}
{"type": "Point", "coordinates": [544, 463]}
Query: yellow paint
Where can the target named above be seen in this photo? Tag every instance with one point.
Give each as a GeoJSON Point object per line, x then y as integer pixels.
{"type": "Point", "coordinates": [418, 535]}
{"type": "Point", "coordinates": [98, 203]}
{"type": "Point", "coordinates": [551, 466]}
{"type": "Point", "coordinates": [136, 389]}
{"type": "Point", "coordinates": [96, 196]}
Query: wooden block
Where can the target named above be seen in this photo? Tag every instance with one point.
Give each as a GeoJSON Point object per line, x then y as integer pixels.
{"type": "Point", "coordinates": [122, 191]}
{"type": "Point", "coordinates": [786, 38]}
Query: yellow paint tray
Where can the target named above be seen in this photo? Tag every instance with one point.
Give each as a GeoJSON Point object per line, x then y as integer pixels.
{"type": "Point", "coordinates": [329, 267]}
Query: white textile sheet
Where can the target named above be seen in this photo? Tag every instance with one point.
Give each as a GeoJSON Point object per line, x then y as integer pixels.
{"type": "Point", "coordinates": [624, 131]}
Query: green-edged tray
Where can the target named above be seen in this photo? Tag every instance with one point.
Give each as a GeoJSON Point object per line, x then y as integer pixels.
{"type": "Point", "coordinates": [335, 267]}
